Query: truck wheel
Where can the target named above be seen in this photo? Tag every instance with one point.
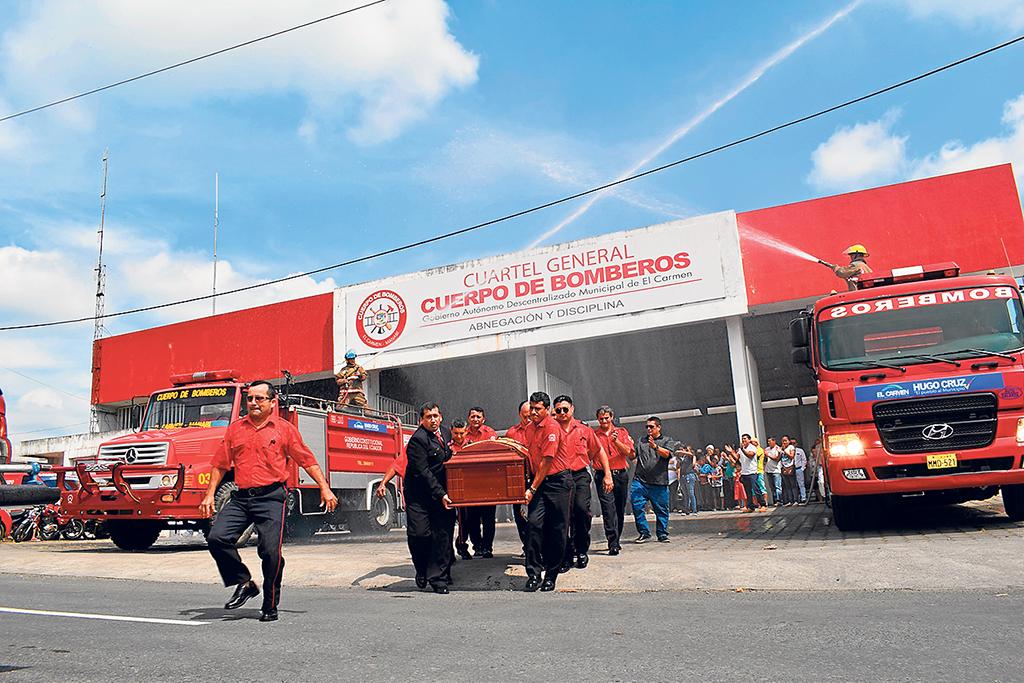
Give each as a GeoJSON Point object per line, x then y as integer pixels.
{"type": "Point", "coordinates": [134, 536]}
{"type": "Point", "coordinates": [73, 530]}
{"type": "Point", "coordinates": [1013, 501]}
{"type": "Point", "coordinates": [220, 499]}
{"type": "Point", "coordinates": [377, 521]}
{"type": "Point", "coordinates": [849, 512]}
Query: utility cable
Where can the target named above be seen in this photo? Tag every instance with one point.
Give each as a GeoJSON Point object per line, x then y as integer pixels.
{"type": "Point", "coordinates": [546, 205]}
{"type": "Point", "coordinates": [188, 61]}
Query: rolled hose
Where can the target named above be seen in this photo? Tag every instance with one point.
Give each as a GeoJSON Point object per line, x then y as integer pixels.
{"type": "Point", "coordinates": [28, 495]}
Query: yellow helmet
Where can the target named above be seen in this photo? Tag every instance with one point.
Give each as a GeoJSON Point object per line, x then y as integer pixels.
{"type": "Point", "coordinates": [856, 249]}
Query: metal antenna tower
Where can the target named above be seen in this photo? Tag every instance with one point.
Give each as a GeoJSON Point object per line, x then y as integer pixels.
{"type": "Point", "coordinates": [216, 207]}
{"type": "Point", "coordinates": [101, 285]}
{"type": "Point", "coordinates": [101, 271]}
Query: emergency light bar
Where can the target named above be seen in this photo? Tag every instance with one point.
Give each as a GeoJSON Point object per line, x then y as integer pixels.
{"type": "Point", "coordinates": [935, 271]}
{"type": "Point", "coordinates": [205, 376]}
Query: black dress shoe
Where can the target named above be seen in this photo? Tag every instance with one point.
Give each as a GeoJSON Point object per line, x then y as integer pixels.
{"type": "Point", "coordinates": [421, 581]}
{"type": "Point", "coordinates": [532, 584]}
{"type": "Point", "coordinates": [582, 561]}
{"type": "Point", "coordinates": [566, 566]}
{"type": "Point", "coordinates": [548, 585]}
{"type": "Point", "coordinates": [464, 554]}
{"type": "Point", "coordinates": [487, 554]}
{"type": "Point", "coordinates": [440, 588]}
{"type": "Point", "coordinates": [242, 593]}
{"type": "Point", "coordinates": [268, 615]}
{"type": "Point", "coordinates": [613, 551]}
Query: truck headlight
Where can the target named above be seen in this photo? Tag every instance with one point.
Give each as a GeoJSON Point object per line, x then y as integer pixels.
{"type": "Point", "coordinates": [1020, 432]}
{"type": "Point", "coordinates": [169, 480]}
{"type": "Point", "coordinates": [845, 444]}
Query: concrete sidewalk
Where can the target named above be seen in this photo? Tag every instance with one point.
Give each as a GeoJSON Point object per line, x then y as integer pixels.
{"type": "Point", "coordinates": [967, 546]}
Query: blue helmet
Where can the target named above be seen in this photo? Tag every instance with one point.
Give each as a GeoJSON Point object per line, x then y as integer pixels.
{"type": "Point", "coordinates": [350, 354]}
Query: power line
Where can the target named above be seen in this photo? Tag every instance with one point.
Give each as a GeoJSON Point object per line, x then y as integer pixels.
{"type": "Point", "coordinates": [188, 61]}
{"type": "Point", "coordinates": [53, 429]}
{"type": "Point", "coordinates": [546, 205]}
{"type": "Point", "coordinates": [48, 386]}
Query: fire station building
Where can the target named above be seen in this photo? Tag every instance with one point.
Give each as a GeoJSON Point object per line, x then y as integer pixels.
{"type": "Point", "coordinates": [687, 320]}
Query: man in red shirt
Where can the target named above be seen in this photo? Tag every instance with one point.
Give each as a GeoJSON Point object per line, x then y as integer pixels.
{"type": "Point", "coordinates": [581, 447]}
{"type": "Point", "coordinates": [257, 448]}
{"type": "Point", "coordinates": [457, 443]}
{"type": "Point", "coordinates": [547, 496]}
{"type": "Point", "coordinates": [480, 518]}
{"type": "Point", "coordinates": [618, 444]}
{"type": "Point", "coordinates": [517, 432]}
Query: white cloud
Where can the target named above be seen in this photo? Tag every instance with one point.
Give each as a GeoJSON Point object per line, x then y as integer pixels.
{"type": "Point", "coordinates": [859, 156]}
{"type": "Point", "coordinates": [26, 354]}
{"type": "Point", "coordinates": [44, 284]}
{"type": "Point", "coordinates": [867, 154]}
{"type": "Point", "coordinates": [480, 157]}
{"type": "Point", "coordinates": [1000, 14]}
{"type": "Point", "coordinates": [956, 156]}
{"type": "Point", "coordinates": [383, 67]}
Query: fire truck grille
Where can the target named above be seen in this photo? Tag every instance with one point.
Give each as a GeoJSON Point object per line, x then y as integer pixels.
{"type": "Point", "coordinates": [953, 422]}
{"type": "Point", "coordinates": [135, 454]}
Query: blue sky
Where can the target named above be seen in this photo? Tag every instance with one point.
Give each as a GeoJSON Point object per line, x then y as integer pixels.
{"type": "Point", "coordinates": [418, 117]}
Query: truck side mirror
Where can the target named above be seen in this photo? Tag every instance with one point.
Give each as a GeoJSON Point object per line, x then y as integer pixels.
{"type": "Point", "coordinates": [800, 331]}
{"type": "Point", "coordinates": [136, 416]}
{"type": "Point", "coordinates": [801, 355]}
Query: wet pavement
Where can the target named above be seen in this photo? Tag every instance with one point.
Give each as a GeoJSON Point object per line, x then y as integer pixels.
{"type": "Point", "coordinates": [919, 547]}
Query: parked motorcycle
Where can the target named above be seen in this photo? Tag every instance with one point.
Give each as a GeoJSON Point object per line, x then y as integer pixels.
{"type": "Point", "coordinates": [26, 523]}
{"type": "Point", "coordinates": [53, 526]}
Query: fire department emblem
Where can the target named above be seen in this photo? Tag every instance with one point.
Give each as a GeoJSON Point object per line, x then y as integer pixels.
{"type": "Point", "coordinates": [380, 319]}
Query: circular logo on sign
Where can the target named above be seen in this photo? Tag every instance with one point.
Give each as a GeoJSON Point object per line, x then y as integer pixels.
{"type": "Point", "coordinates": [380, 319]}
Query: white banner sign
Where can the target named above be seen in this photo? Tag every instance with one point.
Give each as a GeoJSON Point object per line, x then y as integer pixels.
{"type": "Point", "coordinates": [669, 265]}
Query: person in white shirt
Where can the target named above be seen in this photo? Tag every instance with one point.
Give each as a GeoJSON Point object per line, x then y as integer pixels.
{"type": "Point", "coordinates": [748, 472]}
{"type": "Point", "coordinates": [772, 457]}
{"type": "Point", "coordinates": [800, 463]}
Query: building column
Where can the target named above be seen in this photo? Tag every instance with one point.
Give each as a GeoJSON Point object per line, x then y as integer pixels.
{"type": "Point", "coordinates": [746, 390]}
{"type": "Point", "coordinates": [372, 388]}
{"type": "Point", "coordinates": [536, 370]}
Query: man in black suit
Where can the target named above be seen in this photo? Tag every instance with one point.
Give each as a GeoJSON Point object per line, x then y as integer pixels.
{"type": "Point", "coordinates": [430, 520]}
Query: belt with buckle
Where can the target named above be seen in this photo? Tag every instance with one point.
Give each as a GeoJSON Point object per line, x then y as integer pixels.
{"type": "Point", "coordinates": [259, 490]}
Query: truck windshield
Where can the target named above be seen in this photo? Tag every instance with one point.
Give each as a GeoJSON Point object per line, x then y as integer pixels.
{"type": "Point", "coordinates": [917, 328]}
{"type": "Point", "coordinates": [195, 407]}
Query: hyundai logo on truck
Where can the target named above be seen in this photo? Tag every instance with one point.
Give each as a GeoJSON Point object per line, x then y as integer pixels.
{"type": "Point", "coordinates": [937, 432]}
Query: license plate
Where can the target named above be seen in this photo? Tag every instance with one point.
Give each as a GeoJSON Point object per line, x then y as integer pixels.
{"type": "Point", "coordinates": [941, 461]}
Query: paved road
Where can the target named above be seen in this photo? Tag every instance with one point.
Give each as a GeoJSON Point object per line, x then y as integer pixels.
{"type": "Point", "coordinates": [970, 546]}
{"type": "Point", "coordinates": [327, 634]}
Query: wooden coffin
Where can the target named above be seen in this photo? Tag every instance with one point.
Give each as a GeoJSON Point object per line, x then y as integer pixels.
{"type": "Point", "coordinates": [488, 473]}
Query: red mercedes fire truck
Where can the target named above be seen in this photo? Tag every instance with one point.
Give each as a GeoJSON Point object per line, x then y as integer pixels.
{"type": "Point", "coordinates": [920, 376]}
{"type": "Point", "coordinates": [142, 483]}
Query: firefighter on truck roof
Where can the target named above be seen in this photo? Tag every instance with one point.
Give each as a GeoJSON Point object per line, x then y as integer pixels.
{"type": "Point", "coordinates": [857, 268]}
{"type": "Point", "coordinates": [350, 382]}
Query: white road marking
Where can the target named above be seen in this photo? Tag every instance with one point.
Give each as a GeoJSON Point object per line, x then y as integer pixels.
{"type": "Point", "coordinates": [104, 617]}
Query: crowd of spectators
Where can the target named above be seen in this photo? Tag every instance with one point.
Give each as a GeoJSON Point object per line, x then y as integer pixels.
{"type": "Point", "coordinates": [746, 477]}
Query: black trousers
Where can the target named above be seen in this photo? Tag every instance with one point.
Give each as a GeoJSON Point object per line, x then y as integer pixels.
{"type": "Point", "coordinates": [580, 516]}
{"type": "Point", "coordinates": [613, 505]}
{"type": "Point", "coordinates": [267, 513]}
{"type": "Point", "coordinates": [462, 535]}
{"type": "Point", "coordinates": [548, 518]}
{"type": "Point", "coordinates": [429, 527]}
{"type": "Point", "coordinates": [480, 520]}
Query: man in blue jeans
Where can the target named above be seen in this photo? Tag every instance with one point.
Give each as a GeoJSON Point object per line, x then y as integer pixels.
{"type": "Point", "coordinates": [650, 481]}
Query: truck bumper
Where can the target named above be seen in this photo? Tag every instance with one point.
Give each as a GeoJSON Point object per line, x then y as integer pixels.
{"type": "Point", "coordinates": [105, 494]}
{"type": "Point", "coordinates": [885, 473]}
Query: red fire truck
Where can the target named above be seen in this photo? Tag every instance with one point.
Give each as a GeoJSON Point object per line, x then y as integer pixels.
{"type": "Point", "coordinates": [5, 443]}
{"type": "Point", "coordinates": [143, 483]}
{"type": "Point", "coordinates": [920, 377]}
